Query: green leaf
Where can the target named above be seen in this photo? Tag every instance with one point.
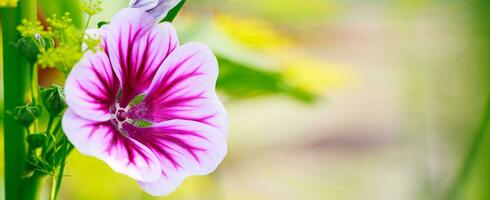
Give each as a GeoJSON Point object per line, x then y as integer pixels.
{"type": "Point", "coordinates": [173, 12]}
{"type": "Point", "coordinates": [240, 81]}
{"type": "Point", "coordinates": [102, 23]}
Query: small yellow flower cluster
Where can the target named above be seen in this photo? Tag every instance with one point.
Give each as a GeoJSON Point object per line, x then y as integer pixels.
{"type": "Point", "coordinates": [92, 42]}
{"type": "Point", "coordinates": [91, 7]}
{"type": "Point", "coordinates": [71, 43]}
{"type": "Point", "coordinates": [60, 23]}
{"type": "Point", "coordinates": [8, 3]}
{"type": "Point", "coordinates": [68, 51]}
{"type": "Point", "coordinates": [31, 28]}
{"type": "Point", "coordinates": [62, 57]}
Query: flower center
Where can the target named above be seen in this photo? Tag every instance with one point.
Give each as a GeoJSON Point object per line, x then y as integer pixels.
{"type": "Point", "coordinates": [119, 116]}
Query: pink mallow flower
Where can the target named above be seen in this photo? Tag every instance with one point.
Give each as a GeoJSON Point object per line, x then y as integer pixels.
{"type": "Point", "coordinates": [146, 105]}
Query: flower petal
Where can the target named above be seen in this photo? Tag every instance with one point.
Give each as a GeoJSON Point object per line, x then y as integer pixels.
{"type": "Point", "coordinates": [156, 8]}
{"type": "Point", "coordinates": [91, 88]}
{"type": "Point", "coordinates": [184, 148]}
{"type": "Point", "coordinates": [137, 48]}
{"type": "Point", "coordinates": [103, 141]}
{"type": "Point", "coordinates": [184, 88]}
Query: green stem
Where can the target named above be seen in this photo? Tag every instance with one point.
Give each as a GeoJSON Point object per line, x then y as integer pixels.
{"type": "Point", "coordinates": [49, 134]}
{"type": "Point", "coordinates": [52, 189]}
{"type": "Point", "coordinates": [473, 152]}
{"type": "Point", "coordinates": [34, 85]}
{"type": "Point", "coordinates": [68, 149]}
{"type": "Point", "coordinates": [173, 12]}
{"type": "Point", "coordinates": [88, 22]}
{"type": "Point", "coordinates": [57, 136]}
{"type": "Point", "coordinates": [16, 77]}
{"type": "Point", "coordinates": [34, 93]}
{"type": "Point", "coordinates": [31, 184]}
{"type": "Point", "coordinates": [50, 124]}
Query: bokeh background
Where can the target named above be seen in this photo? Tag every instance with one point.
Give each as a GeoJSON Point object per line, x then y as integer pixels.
{"type": "Point", "coordinates": [344, 100]}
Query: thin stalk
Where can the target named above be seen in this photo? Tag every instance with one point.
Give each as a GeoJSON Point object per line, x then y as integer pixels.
{"type": "Point", "coordinates": [34, 85]}
{"type": "Point", "coordinates": [34, 93]}
{"type": "Point", "coordinates": [173, 12]}
{"type": "Point", "coordinates": [89, 17]}
{"type": "Point", "coordinates": [52, 189]}
{"type": "Point", "coordinates": [49, 134]}
{"type": "Point", "coordinates": [473, 153]}
{"type": "Point", "coordinates": [68, 149]}
{"type": "Point", "coordinates": [50, 124]}
{"type": "Point", "coordinates": [88, 22]}
{"type": "Point", "coordinates": [57, 136]}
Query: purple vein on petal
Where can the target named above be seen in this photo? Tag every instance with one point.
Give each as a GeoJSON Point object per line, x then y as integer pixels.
{"type": "Point", "coordinates": [159, 141]}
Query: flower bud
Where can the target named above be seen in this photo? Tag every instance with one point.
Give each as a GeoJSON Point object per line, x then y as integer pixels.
{"type": "Point", "coordinates": [53, 99]}
{"type": "Point", "coordinates": [26, 114]}
{"type": "Point", "coordinates": [28, 48]}
{"type": "Point", "coordinates": [156, 8]}
{"type": "Point", "coordinates": [36, 140]}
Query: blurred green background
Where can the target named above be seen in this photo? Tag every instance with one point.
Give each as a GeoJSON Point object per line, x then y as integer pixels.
{"type": "Point", "coordinates": [328, 99]}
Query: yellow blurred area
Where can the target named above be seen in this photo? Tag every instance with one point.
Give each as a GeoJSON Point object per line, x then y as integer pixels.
{"type": "Point", "coordinates": [92, 174]}
{"type": "Point", "coordinates": [303, 72]}
{"type": "Point", "coordinates": [8, 3]}
{"type": "Point", "coordinates": [254, 33]}
{"type": "Point", "coordinates": [317, 77]}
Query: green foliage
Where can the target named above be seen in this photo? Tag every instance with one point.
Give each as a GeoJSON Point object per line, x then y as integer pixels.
{"type": "Point", "coordinates": [240, 81]}
{"type": "Point", "coordinates": [52, 143]}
